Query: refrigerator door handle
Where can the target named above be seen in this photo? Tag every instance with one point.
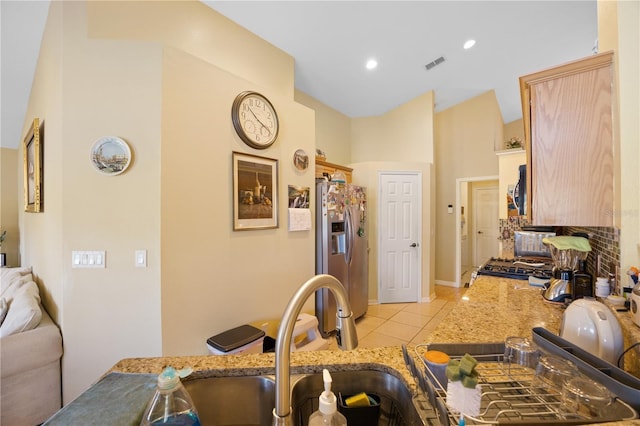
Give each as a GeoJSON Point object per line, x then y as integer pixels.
{"type": "Point", "coordinates": [349, 235]}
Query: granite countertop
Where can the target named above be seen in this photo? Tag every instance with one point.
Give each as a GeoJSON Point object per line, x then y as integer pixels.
{"type": "Point", "coordinates": [385, 359]}
{"type": "Point", "coordinates": [493, 309]}
{"type": "Point", "coordinates": [123, 392]}
{"type": "Point", "coordinates": [496, 308]}
{"type": "Point", "coordinates": [631, 335]}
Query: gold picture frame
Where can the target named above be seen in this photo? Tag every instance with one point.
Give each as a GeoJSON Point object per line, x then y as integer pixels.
{"type": "Point", "coordinates": [33, 168]}
{"type": "Point", "coordinates": [255, 192]}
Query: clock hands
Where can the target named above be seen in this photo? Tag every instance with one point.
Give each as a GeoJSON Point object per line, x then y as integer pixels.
{"type": "Point", "coordinates": [259, 121]}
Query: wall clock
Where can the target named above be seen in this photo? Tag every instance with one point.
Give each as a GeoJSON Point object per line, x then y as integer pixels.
{"type": "Point", "coordinates": [255, 120]}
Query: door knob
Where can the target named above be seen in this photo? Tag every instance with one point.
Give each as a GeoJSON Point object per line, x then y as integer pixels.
{"type": "Point", "coordinates": [414, 245]}
{"type": "Point", "coordinates": [479, 232]}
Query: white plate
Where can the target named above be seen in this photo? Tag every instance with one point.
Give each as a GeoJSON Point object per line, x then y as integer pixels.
{"type": "Point", "coordinates": [300, 160]}
{"type": "Point", "coordinates": [110, 155]}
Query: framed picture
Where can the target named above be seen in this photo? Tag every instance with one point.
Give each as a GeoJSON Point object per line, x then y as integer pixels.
{"type": "Point", "coordinates": [255, 192]}
{"type": "Point", "coordinates": [33, 168]}
{"type": "Point", "coordinates": [298, 197]}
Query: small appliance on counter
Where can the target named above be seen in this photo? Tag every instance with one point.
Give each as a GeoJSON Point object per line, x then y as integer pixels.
{"type": "Point", "coordinates": [528, 241]}
{"type": "Point", "coordinates": [566, 252]}
{"type": "Point", "coordinates": [635, 304]}
{"type": "Point", "coordinates": [592, 326]}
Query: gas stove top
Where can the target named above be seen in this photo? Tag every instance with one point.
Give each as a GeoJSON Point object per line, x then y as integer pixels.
{"type": "Point", "coordinates": [520, 268]}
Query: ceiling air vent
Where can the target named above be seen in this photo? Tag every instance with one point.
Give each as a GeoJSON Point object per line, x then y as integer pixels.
{"type": "Point", "coordinates": [434, 63]}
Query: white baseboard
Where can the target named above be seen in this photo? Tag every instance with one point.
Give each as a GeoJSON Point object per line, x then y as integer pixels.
{"type": "Point", "coordinates": [447, 283]}
{"type": "Point", "coordinates": [428, 299]}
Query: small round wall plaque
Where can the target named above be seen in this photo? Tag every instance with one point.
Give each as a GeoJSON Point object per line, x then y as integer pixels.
{"type": "Point", "coordinates": [110, 155]}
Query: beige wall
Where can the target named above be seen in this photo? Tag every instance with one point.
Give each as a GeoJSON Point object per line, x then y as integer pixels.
{"type": "Point", "coordinates": [191, 26]}
{"type": "Point", "coordinates": [618, 30]}
{"type": "Point", "coordinates": [403, 134]}
{"type": "Point", "coordinates": [512, 129]}
{"type": "Point", "coordinates": [333, 130]}
{"type": "Point", "coordinates": [213, 279]}
{"type": "Point", "coordinates": [9, 194]}
{"type": "Point", "coordinates": [164, 91]}
{"type": "Point", "coordinates": [404, 138]}
{"type": "Point", "coordinates": [112, 313]}
{"type": "Point", "coordinates": [465, 139]}
{"type": "Point", "coordinates": [41, 233]}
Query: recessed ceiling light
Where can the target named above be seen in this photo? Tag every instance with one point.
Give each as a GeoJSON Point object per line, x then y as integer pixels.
{"type": "Point", "coordinates": [469, 44]}
{"type": "Point", "coordinates": [371, 64]}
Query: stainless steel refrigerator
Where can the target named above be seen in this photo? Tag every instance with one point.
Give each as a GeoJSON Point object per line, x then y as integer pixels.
{"type": "Point", "coordinates": [341, 249]}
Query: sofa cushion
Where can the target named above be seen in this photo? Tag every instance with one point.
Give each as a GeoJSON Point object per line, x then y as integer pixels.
{"type": "Point", "coordinates": [24, 310]}
{"type": "Point", "coordinates": [11, 279]}
{"type": "Point", "coordinates": [3, 309]}
{"type": "Point", "coordinates": [8, 275]}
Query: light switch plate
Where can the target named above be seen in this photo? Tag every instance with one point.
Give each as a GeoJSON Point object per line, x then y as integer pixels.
{"type": "Point", "coordinates": [88, 259]}
{"type": "Point", "coordinates": [141, 258]}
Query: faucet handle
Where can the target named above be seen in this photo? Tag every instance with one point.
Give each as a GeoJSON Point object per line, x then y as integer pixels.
{"type": "Point", "coordinates": [346, 334]}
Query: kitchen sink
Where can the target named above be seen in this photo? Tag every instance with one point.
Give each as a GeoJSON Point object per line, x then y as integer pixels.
{"type": "Point", "coordinates": [249, 400]}
{"type": "Point", "coordinates": [241, 400]}
{"type": "Point", "coordinates": [396, 401]}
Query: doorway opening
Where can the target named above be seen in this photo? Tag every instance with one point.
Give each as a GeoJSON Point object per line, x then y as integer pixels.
{"type": "Point", "coordinates": [476, 216]}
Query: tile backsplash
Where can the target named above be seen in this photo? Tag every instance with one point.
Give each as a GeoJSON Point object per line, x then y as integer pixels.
{"type": "Point", "coordinates": [604, 241]}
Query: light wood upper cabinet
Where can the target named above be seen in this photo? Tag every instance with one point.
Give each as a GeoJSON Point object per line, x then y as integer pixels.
{"type": "Point", "coordinates": [323, 167]}
{"type": "Point", "coordinates": [568, 121]}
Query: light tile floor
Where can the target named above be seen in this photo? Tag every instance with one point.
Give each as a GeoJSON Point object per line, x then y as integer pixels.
{"type": "Point", "coordinates": [393, 324]}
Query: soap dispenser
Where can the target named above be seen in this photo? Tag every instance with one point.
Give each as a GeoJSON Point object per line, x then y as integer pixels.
{"type": "Point", "coordinates": [327, 414]}
{"type": "Point", "coordinates": [171, 403]}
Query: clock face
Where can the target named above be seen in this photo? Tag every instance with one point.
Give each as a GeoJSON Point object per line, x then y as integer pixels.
{"type": "Point", "coordinates": [255, 120]}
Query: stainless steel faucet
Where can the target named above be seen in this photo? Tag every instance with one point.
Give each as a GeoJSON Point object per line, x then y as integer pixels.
{"type": "Point", "coordinates": [345, 334]}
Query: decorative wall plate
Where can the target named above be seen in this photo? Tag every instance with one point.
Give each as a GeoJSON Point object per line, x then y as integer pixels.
{"type": "Point", "coordinates": [300, 160]}
{"type": "Point", "coordinates": [110, 155]}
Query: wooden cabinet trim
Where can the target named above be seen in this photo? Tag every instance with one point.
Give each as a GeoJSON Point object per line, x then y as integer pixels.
{"type": "Point", "coordinates": [329, 168]}
{"type": "Point", "coordinates": [333, 166]}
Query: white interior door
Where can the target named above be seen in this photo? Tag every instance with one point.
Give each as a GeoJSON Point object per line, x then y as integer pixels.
{"type": "Point", "coordinates": [485, 204]}
{"type": "Point", "coordinates": [399, 232]}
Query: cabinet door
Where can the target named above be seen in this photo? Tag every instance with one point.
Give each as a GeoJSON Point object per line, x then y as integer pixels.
{"type": "Point", "coordinates": [571, 154]}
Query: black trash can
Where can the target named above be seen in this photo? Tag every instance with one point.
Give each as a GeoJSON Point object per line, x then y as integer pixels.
{"type": "Point", "coordinates": [244, 339]}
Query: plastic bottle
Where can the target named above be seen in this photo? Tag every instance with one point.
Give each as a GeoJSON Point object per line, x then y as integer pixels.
{"type": "Point", "coordinates": [171, 404]}
{"type": "Point", "coordinates": [327, 413]}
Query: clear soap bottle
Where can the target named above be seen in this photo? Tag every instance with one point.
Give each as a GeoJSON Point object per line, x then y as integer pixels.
{"type": "Point", "coordinates": [171, 404]}
{"type": "Point", "coordinates": [327, 414]}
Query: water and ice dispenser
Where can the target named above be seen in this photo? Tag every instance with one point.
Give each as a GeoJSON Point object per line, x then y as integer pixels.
{"type": "Point", "coordinates": [338, 239]}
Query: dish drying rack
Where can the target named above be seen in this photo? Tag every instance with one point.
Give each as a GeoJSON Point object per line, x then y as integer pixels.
{"type": "Point", "coordinates": [508, 393]}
